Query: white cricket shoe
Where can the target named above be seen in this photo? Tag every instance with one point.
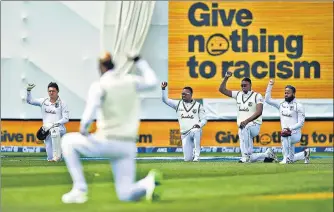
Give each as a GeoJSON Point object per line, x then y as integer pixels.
{"type": "Point", "coordinates": [57, 159]}
{"type": "Point", "coordinates": [283, 162]}
{"type": "Point", "coordinates": [245, 159]}
{"type": "Point", "coordinates": [307, 153]}
{"type": "Point", "coordinates": [286, 161]}
{"type": "Point", "coordinates": [75, 196]}
{"type": "Point", "coordinates": [154, 178]}
{"type": "Point", "coordinates": [271, 154]}
{"type": "Point", "coordinates": [196, 159]}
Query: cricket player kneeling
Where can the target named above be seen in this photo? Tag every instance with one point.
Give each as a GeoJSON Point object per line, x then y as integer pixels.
{"type": "Point", "coordinates": [55, 114]}
{"type": "Point", "coordinates": [115, 97]}
{"type": "Point", "coordinates": [191, 116]}
{"type": "Point", "coordinates": [292, 116]}
{"type": "Point", "coordinates": [249, 119]}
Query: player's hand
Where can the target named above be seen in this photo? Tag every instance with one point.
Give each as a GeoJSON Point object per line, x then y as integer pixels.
{"type": "Point", "coordinates": [243, 124]}
{"type": "Point", "coordinates": [164, 85]}
{"type": "Point", "coordinates": [271, 82]}
{"type": "Point", "coordinates": [30, 86]}
{"type": "Point", "coordinates": [132, 55]}
{"type": "Point", "coordinates": [196, 126]}
{"type": "Point", "coordinates": [47, 126]}
{"type": "Point", "coordinates": [286, 132]}
{"type": "Point", "coordinates": [228, 74]}
{"type": "Point", "coordinates": [84, 129]}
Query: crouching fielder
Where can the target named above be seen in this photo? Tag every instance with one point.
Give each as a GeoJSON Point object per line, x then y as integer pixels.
{"type": "Point", "coordinates": [55, 114]}
{"type": "Point", "coordinates": [115, 99]}
{"type": "Point", "coordinates": [292, 117]}
{"type": "Point", "coordinates": [191, 116]}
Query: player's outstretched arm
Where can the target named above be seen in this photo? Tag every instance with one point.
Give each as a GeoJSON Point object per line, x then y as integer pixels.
{"type": "Point", "coordinates": [170, 102]}
{"type": "Point", "coordinates": [268, 98]}
{"type": "Point", "coordinates": [94, 99]}
{"type": "Point", "coordinates": [222, 88]}
{"type": "Point", "coordinates": [148, 79]}
{"type": "Point", "coordinates": [301, 118]}
{"type": "Point", "coordinates": [30, 100]}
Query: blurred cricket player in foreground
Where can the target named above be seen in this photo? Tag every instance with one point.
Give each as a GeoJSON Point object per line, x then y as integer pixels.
{"type": "Point", "coordinates": [54, 114]}
{"type": "Point", "coordinates": [249, 119]}
{"type": "Point", "coordinates": [117, 102]}
{"type": "Point", "coordinates": [191, 116]}
{"type": "Point", "coordinates": [292, 117]}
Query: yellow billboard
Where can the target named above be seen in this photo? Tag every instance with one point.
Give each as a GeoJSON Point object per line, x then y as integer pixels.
{"type": "Point", "coordinates": [167, 134]}
{"type": "Point", "coordinates": [289, 41]}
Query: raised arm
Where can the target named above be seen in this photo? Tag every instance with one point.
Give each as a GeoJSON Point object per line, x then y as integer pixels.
{"type": "Point", "coordinates": [30, 100]}
{"type": "Point", "coordinates": [95, 96]}
{"type": "Point", "coordinates": [222, 88]}
{"type": "Point", "coordinates": [65, 114]}
{"type": "Point", "coordinates": [147, 79]}
{"type": "Point", "coordinates": [301, 118]}
{"type": "Point", "coordinates": [170, 102]}
{"type": "Point", "coordinates": [268, 98]}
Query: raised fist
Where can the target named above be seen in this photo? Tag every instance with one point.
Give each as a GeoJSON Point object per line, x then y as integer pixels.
{"type": "Point", "coordinates": [163, 85]}
{"type": "Point", "coordinates": [271, 82]}
{"type": "Point", "coordinates": [228, 74]}
{"type": "Point", "coordinates": [131, 55]}
{"type": "Point", "coordinates": [30, 86]}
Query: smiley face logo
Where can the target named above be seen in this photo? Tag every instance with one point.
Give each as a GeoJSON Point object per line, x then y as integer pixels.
{"type": "Point", "coordinates": [265, 139]}
{"type": "Point", "coordinates": [217, 44]}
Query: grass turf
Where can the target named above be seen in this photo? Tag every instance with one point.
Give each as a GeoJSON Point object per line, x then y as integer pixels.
{"type": "Point", "coordinates": [29, 185]}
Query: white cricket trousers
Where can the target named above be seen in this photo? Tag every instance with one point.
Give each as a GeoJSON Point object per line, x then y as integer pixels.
{"type": "Point", "coordinates": [122, 159]}
{"type": "Point", "coordinates": [191, 144]}
{"type": "Point", "coordinates": [288, 147]}
{"type": "Point", "coordinates": [246, 136]}
{"type": "Point", "coordinates": [48, 143]}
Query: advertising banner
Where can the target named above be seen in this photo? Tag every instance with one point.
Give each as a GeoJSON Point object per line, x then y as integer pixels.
{"type": "Point", "coordinates": [289, 41]}
{"type": "Point", "coordinates": [167, 134]}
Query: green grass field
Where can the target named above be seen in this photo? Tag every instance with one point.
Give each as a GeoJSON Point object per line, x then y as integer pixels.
{"type": "Point", "coordinates": [29, 185]}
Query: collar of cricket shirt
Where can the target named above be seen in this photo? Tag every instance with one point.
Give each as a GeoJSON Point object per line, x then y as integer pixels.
{"type": "Point", "coordinates": [248, 93]}
{"type": "Point", "coordinates": [56, 102]}
{"type": "Point", "coordinates": [192, 101]}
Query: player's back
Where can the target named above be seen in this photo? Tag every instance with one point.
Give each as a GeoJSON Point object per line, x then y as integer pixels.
{"type": "Point", "coordinates": [119, 112]}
